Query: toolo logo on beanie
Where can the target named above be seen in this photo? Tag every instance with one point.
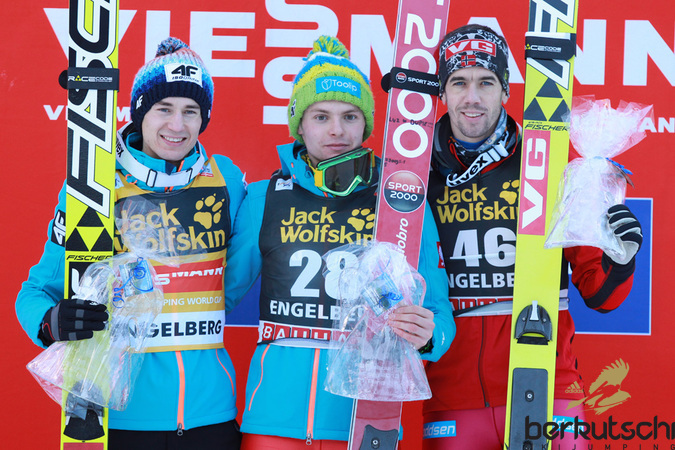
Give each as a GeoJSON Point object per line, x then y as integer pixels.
{"type": "Point", "coordinates": [328, 74]}
{"type": "Point", "coordinates": [176, 71]}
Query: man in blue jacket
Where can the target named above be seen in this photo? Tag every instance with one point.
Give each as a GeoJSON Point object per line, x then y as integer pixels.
{"type": "Point", "coordinates": [184, 396]}
{"type": "Point", "coordinates": [323, 197]}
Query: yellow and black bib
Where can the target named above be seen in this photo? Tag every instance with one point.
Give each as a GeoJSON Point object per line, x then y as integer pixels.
{"type": "Point", "coordinates": [298, 289]}
{"type": "Point", "coordinates": [198, 220]}
{"type": "Point", "coordinates": [477, 221]}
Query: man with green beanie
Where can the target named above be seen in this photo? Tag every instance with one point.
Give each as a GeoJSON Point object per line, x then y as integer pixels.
{"type": "Point", "coordinates": [321, 198]}
{"type": "Point", "coordinates": [185, 394]}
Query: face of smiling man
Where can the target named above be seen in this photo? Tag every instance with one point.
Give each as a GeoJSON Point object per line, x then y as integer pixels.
{"type": "Point", "coordinates": [474, 98]}
{"type": "Point", "coordinates": [171, 128]}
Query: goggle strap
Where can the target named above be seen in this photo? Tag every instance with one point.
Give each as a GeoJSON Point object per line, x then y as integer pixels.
{"type": "Point", "coordinates": [318, 177]}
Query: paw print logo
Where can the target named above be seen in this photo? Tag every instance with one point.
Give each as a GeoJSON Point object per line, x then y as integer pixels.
{"type": "Point", "coordinates": [510, 191]}
{"type": "Point", "coordinates": [362, 219]}
{"type": "Point", "coordinates": [208, 211]}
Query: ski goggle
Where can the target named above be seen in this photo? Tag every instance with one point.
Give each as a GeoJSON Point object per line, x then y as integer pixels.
{"type": "Point", "coordinates": [341, 174]}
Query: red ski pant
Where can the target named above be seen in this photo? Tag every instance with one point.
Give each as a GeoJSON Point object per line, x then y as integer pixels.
{"type": "Point", "coordinates": [483, 429]}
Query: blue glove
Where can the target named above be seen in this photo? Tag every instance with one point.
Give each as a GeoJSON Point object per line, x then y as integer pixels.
{"type": "Point", "coordinates": [626, 227]}
{"type": "Point", "coordinates": [71, 320]}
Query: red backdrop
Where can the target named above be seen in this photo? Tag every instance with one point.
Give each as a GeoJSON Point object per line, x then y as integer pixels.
{"type": "Point", "coordinates": [627, 52]}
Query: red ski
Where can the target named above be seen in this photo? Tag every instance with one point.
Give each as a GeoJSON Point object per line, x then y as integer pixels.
{"type": "Point", "coordinates": [406, 153]}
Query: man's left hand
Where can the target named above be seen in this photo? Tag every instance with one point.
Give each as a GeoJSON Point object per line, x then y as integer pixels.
{"type": "Point", "coordinates": [627, 229]}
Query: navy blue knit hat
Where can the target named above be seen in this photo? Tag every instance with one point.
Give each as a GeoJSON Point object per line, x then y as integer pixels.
{"type": "Point", "coordinates": [474, 46]}
{"type": "Point", "coordinates": [176, 71]}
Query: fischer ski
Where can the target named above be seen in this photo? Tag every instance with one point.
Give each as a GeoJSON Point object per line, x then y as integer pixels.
{"type": "Point", "coordinates": [92, 81]}
{"type": "Point", "coordinates": [550, 49]}
{"type": "Point", "coordinates": [406, 153]}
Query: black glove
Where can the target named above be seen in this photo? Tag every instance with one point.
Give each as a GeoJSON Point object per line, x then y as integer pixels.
{"type": "Point", "coordinates": [626, 227]}
{"type": "Point", "coordinates": [71, 320]}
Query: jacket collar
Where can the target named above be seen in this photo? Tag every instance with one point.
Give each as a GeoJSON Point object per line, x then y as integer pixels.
{"type": "Point", "coordinates": [153, 173]}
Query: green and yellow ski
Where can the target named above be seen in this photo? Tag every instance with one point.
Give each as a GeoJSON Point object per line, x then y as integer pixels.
{"type": "Point", "coordinates": [550, 49]}
{"type": "Point", "coordinates": [92, 81]}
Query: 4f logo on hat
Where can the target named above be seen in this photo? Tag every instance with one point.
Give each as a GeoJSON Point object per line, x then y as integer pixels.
{"type": "Point", "coordinates": [471, 45]}
{"type": "Point", "coordinates": [183, 72]}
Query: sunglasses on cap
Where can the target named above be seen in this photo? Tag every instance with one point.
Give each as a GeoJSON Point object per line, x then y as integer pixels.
{"type": "Point", "coordinates": [341, 174]}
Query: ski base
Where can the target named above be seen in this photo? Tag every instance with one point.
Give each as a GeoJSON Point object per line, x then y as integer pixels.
{"type": "Point", "coordinates": [529, 399]}
{"type": "Point", "coordinates": [375, 425]}
{"type": "Point", "coordinates": [90, 433]}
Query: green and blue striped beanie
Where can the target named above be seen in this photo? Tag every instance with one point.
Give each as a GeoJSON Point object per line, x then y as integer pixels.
{"type": "Point", "coordinates": [328, 74]}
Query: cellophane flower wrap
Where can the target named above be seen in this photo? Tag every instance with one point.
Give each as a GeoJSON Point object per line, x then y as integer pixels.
{"type": "Point", "coordinates": [372, 362]}
{"type": "Point", "coordinates": [593, 182]}
{"type": "Point", "coordinates": [102, 370]}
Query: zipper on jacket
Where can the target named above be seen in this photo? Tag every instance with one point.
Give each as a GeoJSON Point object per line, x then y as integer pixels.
{"type": "Point", "coordinates": [312, 396]}
{"type": "Point", "coordinates": [181, 393]}
{"type": "Point", "coordinates": [480, 361]}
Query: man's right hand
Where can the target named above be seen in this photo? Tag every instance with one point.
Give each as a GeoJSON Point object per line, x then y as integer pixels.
{"type": "Point", "coordinates": [72, 320]}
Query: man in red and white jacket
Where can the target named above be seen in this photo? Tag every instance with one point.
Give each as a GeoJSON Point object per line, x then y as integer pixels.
{"type": "Point", "coordinates": [473, 190]}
